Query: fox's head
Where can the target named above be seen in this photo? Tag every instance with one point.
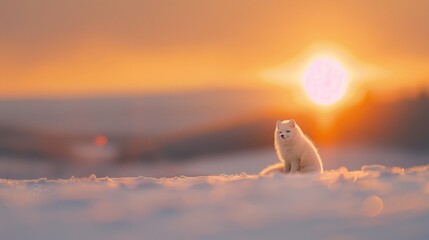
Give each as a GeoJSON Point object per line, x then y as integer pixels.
{"type": "Point", "coordinates": [286, 130]}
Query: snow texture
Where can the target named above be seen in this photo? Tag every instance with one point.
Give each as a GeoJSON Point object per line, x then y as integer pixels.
{"type": "Point", "coordinates": [373, 203]}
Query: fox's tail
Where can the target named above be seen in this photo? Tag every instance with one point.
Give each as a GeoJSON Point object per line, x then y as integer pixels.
{"type": "Point", "coordinates": [274, 168]}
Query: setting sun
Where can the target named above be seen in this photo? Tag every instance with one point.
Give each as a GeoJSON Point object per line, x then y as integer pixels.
{"type": "Point", "coordinates": [325, 81]}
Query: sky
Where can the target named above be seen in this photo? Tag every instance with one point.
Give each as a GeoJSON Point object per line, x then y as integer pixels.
{"type": "Point", "coordinates": [88, 47]}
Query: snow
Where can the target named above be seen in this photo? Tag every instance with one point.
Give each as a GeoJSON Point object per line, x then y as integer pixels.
{"type": "Point", "coordinates": [375, 202]}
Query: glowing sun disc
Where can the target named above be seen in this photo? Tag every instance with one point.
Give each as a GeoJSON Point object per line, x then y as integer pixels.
{"type": "Point", "coordinates": [325, 81]}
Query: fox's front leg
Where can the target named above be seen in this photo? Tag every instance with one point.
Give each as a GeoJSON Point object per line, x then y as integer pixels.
{"type": "Point", "coordinates": [294, 166]}
{"type": "Point", "coordinates": [287, 167]}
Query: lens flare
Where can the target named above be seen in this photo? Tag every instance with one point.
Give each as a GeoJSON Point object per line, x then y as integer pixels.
{"type": "Point", "coordinates": [101, 140]}
{"type": "Point", "coordinates": [372, 206]}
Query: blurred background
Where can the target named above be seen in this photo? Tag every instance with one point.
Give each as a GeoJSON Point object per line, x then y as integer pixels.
{"type": "Point", "coordinates": [168, 88]}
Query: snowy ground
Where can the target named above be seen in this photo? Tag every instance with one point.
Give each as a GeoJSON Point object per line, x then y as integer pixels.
{"type": "Point", "coordinates": [251, 162]}
{"type": "Point", "coordinates": [374, 203]}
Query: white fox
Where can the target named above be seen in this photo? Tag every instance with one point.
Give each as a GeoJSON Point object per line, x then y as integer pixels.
{"type": "Point", "coordinates": [295, 151]}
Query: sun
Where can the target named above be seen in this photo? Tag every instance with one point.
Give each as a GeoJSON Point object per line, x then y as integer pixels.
{"type": "Point", "coordinates": [325, 81]}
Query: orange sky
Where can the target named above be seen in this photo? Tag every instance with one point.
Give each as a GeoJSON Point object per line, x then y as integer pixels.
{"type": "Point", "coordinates": [84, 47]}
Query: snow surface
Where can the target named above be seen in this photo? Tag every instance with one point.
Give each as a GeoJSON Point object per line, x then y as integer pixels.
{"type": "Point", "coordinates": [373, 203]}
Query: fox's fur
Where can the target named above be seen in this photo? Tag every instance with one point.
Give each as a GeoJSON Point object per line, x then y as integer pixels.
{"type": "Point", "coordinates": [295, 151]}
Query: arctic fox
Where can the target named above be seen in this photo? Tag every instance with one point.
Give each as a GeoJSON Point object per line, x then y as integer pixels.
{"type": "Point", "coordinates": [294, 150]}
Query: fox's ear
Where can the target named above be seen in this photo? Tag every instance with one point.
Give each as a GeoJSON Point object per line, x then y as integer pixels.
{"type": "Point", "coordinates": [278, 124]}
{"type": "Point", "coordinates": [292, 123]}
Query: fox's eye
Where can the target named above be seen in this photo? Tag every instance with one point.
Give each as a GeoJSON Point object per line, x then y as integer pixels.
{"type": "Point", "coordinates": [288, 131]}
